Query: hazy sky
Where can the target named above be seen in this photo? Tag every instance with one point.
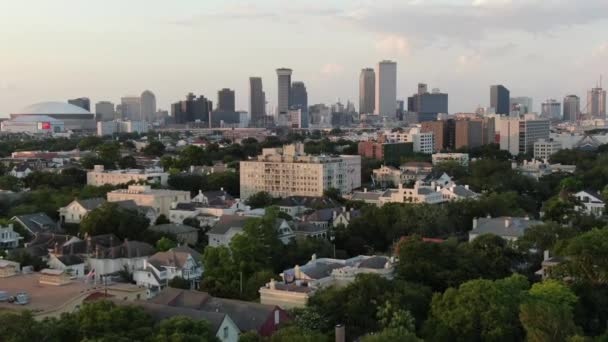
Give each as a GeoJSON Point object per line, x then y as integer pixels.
{"type": "Point", "coordinates": [105, 49]}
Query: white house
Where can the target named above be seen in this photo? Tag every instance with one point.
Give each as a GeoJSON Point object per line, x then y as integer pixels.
{"type": "Point", "coordinates": [130, 255]}
{"type": "Point", "coordinates": [72, 264]}
{"type": "Point", "coordinates": [9, 238]}
{"type": "Point", "coordinates": [591, 203]}
{"type": "Point", "coordinates": [78, 209]}
{"type": "Point", "coordinates": [162, 267]}
{"type": "Point", "coordinates": [230, 225]}
{"type": "Point", "coordinates": [21, 171]}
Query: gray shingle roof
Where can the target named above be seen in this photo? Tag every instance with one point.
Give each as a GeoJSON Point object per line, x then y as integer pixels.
{"type": "Point", "coordinates": [91, 203]}
{"type": "Point", "coordinates": [37, 223]}
{"type": "Point", "coordinates": [375, 262]}
{"type": "Point", "coordinates": [227, 222]}
{"type": "Point", "coordinates": [366, 196]}
{"type": "Point", "coordinates": [173, 228]}
{"type": "Point", "coordinates": [504, 226]}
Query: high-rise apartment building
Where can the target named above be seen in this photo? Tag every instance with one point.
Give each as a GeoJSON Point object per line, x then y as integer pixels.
{"type": "Point", "coordinates": [500, 99]}
{"type": "Point", "coordinates": [104, 111]}
{"type": "Point", "coordinates": [226, 100]}
{"type": "Point", "coordinates": [148, 106]}
{"type": "Point", "coordinates": [551, 109]}
{"type": "Point", "coordinates": [299, 101]}
{"type": "Point", "coordinates": [130, 108]}
{"type": "Point", "coordinates": [194, 109]}
{"type": "Point", "coordinates": [596, 103]}
{"type": "Point", "coordinates": [82, 102]}
{"type": "Point", "coordinates": [518, 135]}
{"type": "Point", "coordinates": [367, 91]}
{"type": "Point", "coordinates": [288, 171]}
{"type": "Point", "coordinates": [572, 108]}
{"type": "Point", "coordinates": [284, 91]}
{"type": "Point", "coordinates": [257, 101]}
{"type": "Point", "coordinates": [386, 89]}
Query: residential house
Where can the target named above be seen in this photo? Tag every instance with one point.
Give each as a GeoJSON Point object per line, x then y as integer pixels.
{"type": "Point", "coordinates": [300, 283]}
{"type": "Point", "coordinates": [537, 169]}
{"type": "Point", "coordinates": [160, 200]}
{"type": "Point", "coordinates": [21, 171]}
{"type": "Point", "coordinates": [418, 194]}
{"type": "Point", "coordinates": [508, 228]}
{"type": "Point", "coordinates": [220, 324]}
{"type": "Point", "coordinates": [591, 203]}
{"type": "Point", "coordinates": [75, 211]}
{"type": "Point", "coordinates": [225, 229]}
{"type": "Point", "coordinates": [9, 268]}
{"type": "Point", "coordinates": [183, 233]}
{"type": "Point", "coordinates": [248, 316]}
{"type": "Point", "coordinates": [129, 255]}
{"type": "Point", "coordinates": [230, 225]}
{"type": "Point", "coordinates": [41, 245]}
{"type": "Point", "coordinates": [547, 264]}
{"type": "Point", "coordinates": [9, 238]}
{"type": "Point", "coordinates": [455, 192]}
{"type": "Point", "coordinates": [209, 198]}
{"type": "Point", "coordinates": [162, 267]}
{"type": "Point", "coordinates": [298, 205]}
{"type": "Point", "coordinates": [72, 264]}
{"type": "Point", "coordinates": [37, 223]}
{"type": "Point", "coordinates": [344, 217]}
{"type": "Point", "coordinates": [406, 173]}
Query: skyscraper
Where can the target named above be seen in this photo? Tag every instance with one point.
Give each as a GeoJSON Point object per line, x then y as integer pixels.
{"type": "Point", "coordinates": [284, 90]}
{"type": "Point", "coordinates": [257, 101]}
{"type": "Point", "coordinates": [299, 100]}
{"type": "Point", "coordinates": [427, 105]}
{"type": "Point", "coordinates": [551, 109]}
{"type": "Point", "coordinates": [130, 108]}
{"type": "Point", "coordinates": [191, 110]}
{"type": "Point", "coordinates": [572, 108]}
{"type": "Point", "coordinates": [367, 91]}
{"type": "Point", "coordinates": [522, 104]}
{"type": "Point", "coordinates": [386, 89]}
{"type": "Point", "coordinates": [499, 99]}
{"type": "Point", "coordinates": [82, 102]}
{"type": "Point", "coordinates": [104, 111]}
{"type": "Point", "coordinates": [148, 106]}
{"type": "Point", "coordinates": [225, 100]}
{"type": "Point", "coordinates": [596, 103]}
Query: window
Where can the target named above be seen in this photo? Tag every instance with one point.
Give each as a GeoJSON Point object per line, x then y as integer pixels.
{"type": "Point", "coordinates": [225, 332]}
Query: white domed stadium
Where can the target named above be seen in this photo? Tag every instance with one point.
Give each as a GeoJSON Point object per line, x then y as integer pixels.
{"type": "Point", "coordinates": [73, 117]}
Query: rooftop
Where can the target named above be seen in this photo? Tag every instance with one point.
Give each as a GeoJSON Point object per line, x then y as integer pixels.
{"type": "Point", "coordinates": [50, 108]}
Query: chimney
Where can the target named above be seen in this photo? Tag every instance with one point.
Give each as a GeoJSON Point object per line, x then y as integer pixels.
{"type": "Point", "coordinates": [466, 187]}
{"type": "Point", "coordinates": [364, 190]}
{"type": "Point", "coordinates": [546, 255]}
{"type": "Point", "coordinates": [272, 284]}
{"type": "Point", "coordinates": [72, 249]}
{"type": "Point", "coordinates": [340, 333]}
{"type": "Point", "coordinates": [56, 248]}
{"type": "Point", "coordinates": [507, 222]}
{"type": "Point", "coordinates": [334, 214]}
{"type": "Point", "coordinates": [475, 223]}
{"type": "Point", "coordinates": [314, 257]}
{"type": "Point", "coordinates": [297, 272]}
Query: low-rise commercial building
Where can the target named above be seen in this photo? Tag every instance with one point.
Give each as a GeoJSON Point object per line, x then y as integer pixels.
{"type": "Point", "coordinates": [543, 149]}
{"type": "Point", "coordinates": [143, 195]}
{"type": "Point", "coordinates": [460, 158]}
{"type": "Point", "coordinates": [99, 176]}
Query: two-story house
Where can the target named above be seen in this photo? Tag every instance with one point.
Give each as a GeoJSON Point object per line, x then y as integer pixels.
{"type": "Point", "coordinates": [9, 238]}
{"type": "Point", "coordinates": [591, 203]}
{"type": "Point", "coordinates": [78, 209]}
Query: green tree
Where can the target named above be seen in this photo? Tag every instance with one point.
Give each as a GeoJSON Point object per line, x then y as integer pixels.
{"type": "Point", "coordinates": [20, 327]}
{"type": "Point", "coordinates": [179, 283]}
{"type": "Point", "coordinates": [165, 244]}
{"type": "Point", "coordinates": [162, 219]}
{"type": "Point", "coordinates": [587, 258]}
{"type": "Point", "coordinates": [127, 162]}
{"type": "Point", "coordinates": [10, 183]}
{"type": "Point", "coordinates": [154, 149]}
{"type": "Point", "coordinates": [392, 335]}
{"type": "Point", "coordinates": [294, 334]}
{"type": "Point", "coordinates": [109, 153]}
{"type": "Point", "coordinates": [89, 142]}
{"type": "Point", "coordinates": [184, 329]}
{"type": "Point", "coordinates": [547, 314]}
{"type": "Point", "coordinates": [545, 236]}
{"type": "Point", "coordinates": [479, 310]}
{"type": "Point", "coordinates": [110, 218]}
{"type": "Point", "coordinates": [113, 322]}
{"type": "Point", "coordinates": [260, 200]}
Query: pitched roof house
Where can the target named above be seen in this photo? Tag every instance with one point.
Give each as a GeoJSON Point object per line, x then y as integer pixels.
{"type": "Point", "coordinates": [508, 228]}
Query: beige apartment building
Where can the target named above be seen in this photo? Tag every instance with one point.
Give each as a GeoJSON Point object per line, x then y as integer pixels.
{"type": "Point", "coordinates": [99, 176]}
{"type": "Point", "coordinates": [143, 195]}
{"type": "Point", "coordinates": [288, 171]}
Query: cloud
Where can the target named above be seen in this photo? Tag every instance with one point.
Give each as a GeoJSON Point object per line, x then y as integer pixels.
{"type": "Point", "coordinates": [469, 60]}
{"type": "Point", "coordinates": [332, 69]}
{"type": "Point", "coordinates": [393, 45]}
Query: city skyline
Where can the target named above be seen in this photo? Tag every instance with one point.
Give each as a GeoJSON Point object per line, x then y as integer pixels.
{"type": "Point", "coordinates": [66, 49]}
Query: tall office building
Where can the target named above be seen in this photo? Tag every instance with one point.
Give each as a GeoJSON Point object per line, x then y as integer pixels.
{"type": "Point", "coordinates": [551, 109]}
{"type": "Point", "coordinates": [130, 108]}
{"type": "Point", "coordinates": [225, 100]}
{"type": "Point", "coordinates": [194, 109]}
{"type": "Point", "coordinates": [284, 91]}
{"type": "Point", "coordinates": [499, 99]}
{"type": "Point", "coordinates": [82, 102]}
{"type": "Point", "coordinates": [104, 111]}
{"type": "Point", "coordinates": [148, 106]}
{"type": "Point", "coordinates": [299, 100]}
{"type": "Point", "coordinates": [469, 133]}
{"type": "Point", "coordinates": [257, 101]}
{"type": "Point", "coordinates": [427, 105]}
{"type": "Point", "coordinates": [572, 108]}
{"type": "Point", "coordinates": [386, 89]}
{"type": "Point", "coordinates": [367, 91]}
{"type": "Point", "coordinates": [521, 104]}
{"type": "Point", "coordinates": [596, 103]}
{"type": "Point", "coordinates": [518, 135]}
